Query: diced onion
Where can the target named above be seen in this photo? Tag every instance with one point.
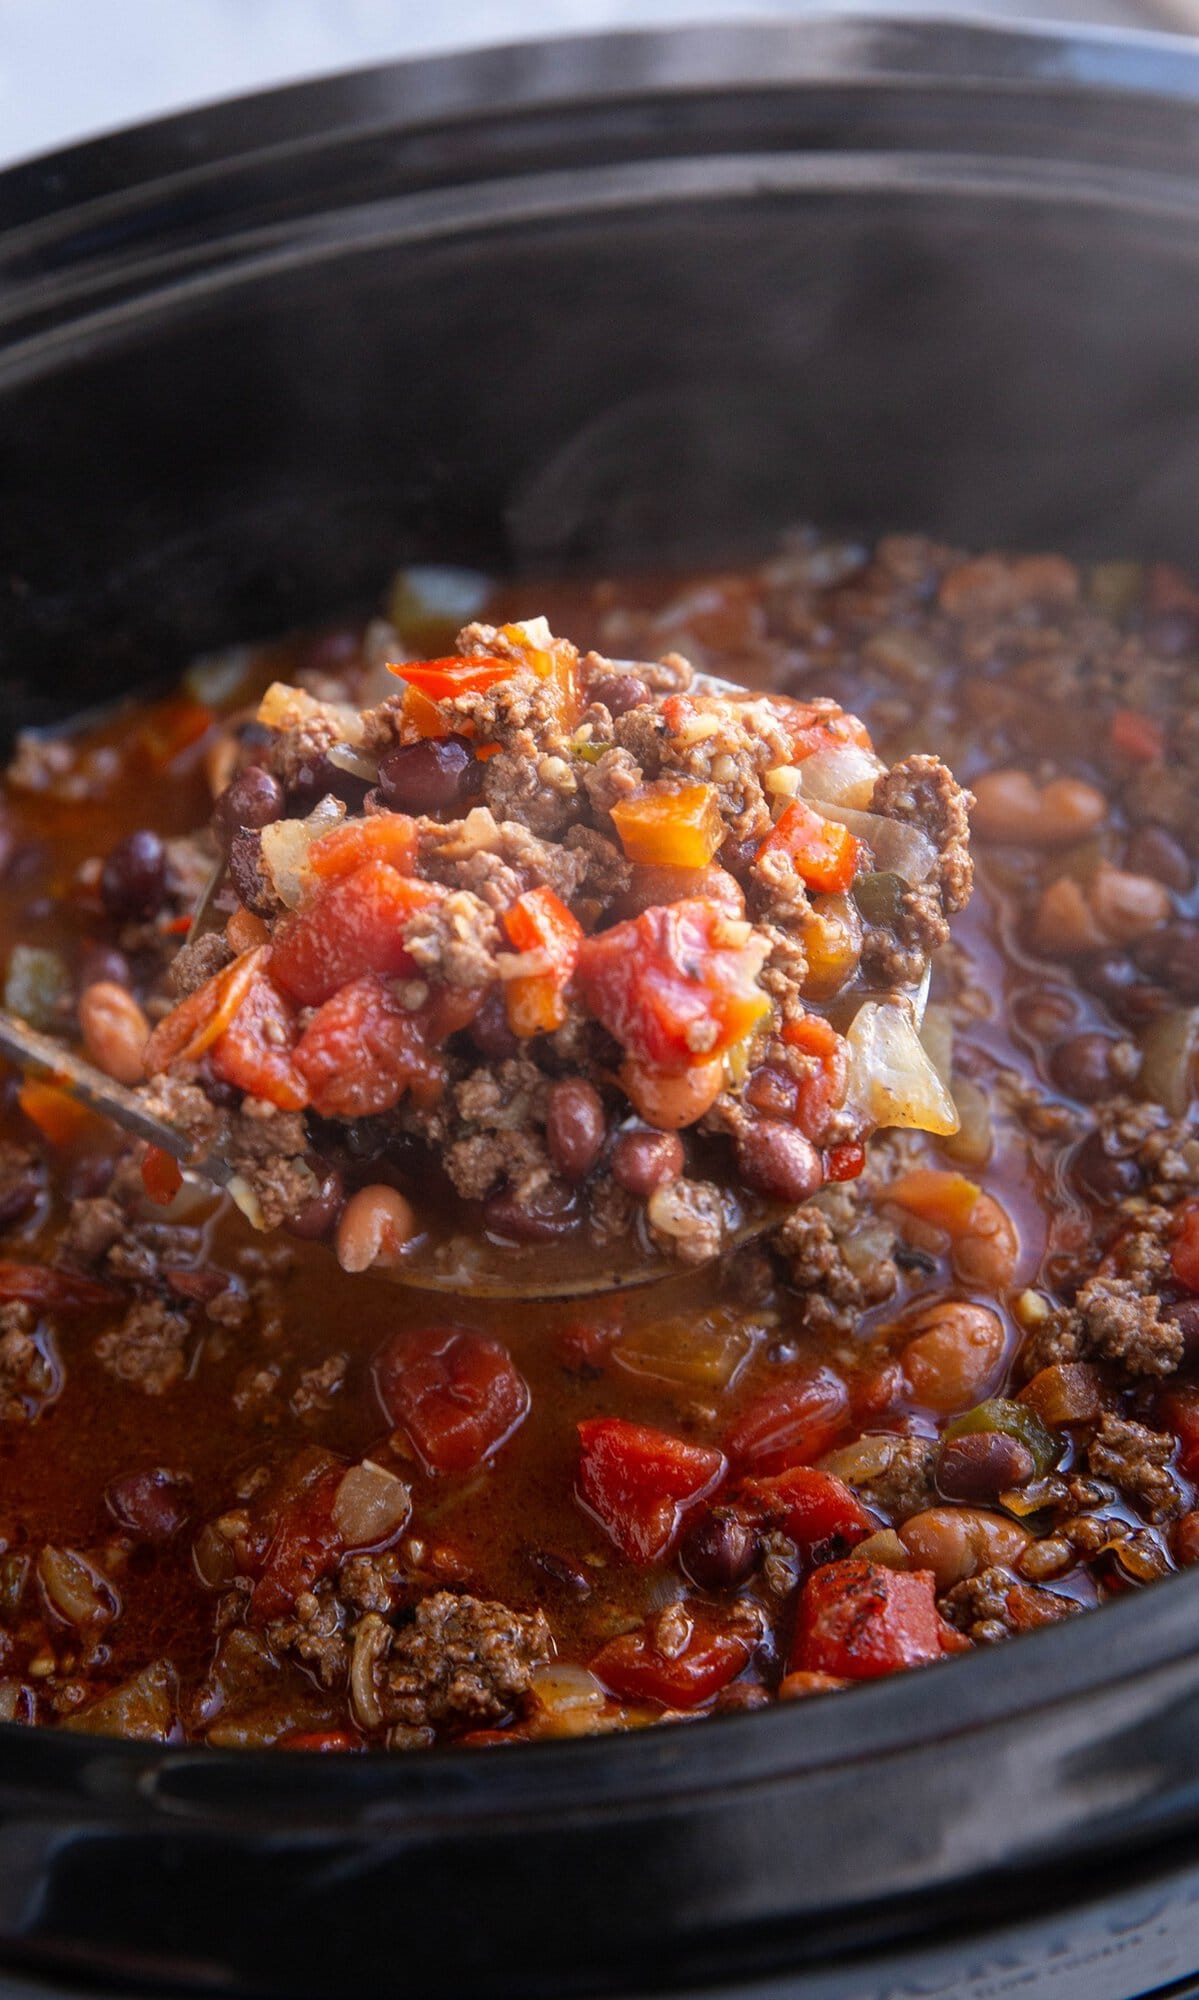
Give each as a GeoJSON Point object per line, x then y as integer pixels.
{"type": "Point", "coordinates": [354, 761]}
{"type": "Point", "coordinates": [695, 1353]}
{"type": "Point", "coordinates": [1169, 1046]}
{"type": "Point", "coordinates": [370, 1505]}
{"type": "Point", "coordinates": [74, 1589]}
{"type": "Point", "coordinates": [891, 1080]}
{"type": "Point", "coordinates": [898, 849]}
{"type": "Point", "coordinates": [845, 776]}
{"type": "Point", "coordinates": [569, 1699]}
{"type": "Point", "coordinates": [285, 846]}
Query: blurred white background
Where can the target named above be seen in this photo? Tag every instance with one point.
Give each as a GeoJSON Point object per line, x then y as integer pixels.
{"type": "Point", "coordinates": [72, 68]}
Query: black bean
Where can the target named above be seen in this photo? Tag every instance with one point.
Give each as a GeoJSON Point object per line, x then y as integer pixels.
{"type": "Point", "coordinates": [253, 799]}
{"type": "Point", "coordinates": [318, 779]}
{"type": "Point", "coordinates": [575, 1127]}
{"type": "Point", "coordinates": [1185, 1315]}
{"type": "Point", "coordinates": [318, 1215]}
{"type": "Point", "coordinates": [1082, 1067]}
{"type": "Point", "coordinates": [439, 777]}
{"type": "Point", "coordinates": [18, 1192]}
{"type": "Point", "coordinates": [102, 964]}
{"type": "Point", "coordinates": [567, 1575]}
{"type": "Point", "coordinates": [619, 692]}
{"type": "Point", "coordinates": [982, 1464]}
{"type": "Point", "coordinates": [777, 1161]}
{"type": "Point", "coordinates": [1106, 1177]}
{"type": "Point", "coordinates": [1153, 851]}
{"type": "Point", "coordinates": [719, 1550]}
{"type": "Point", "coordinates": [548, 1213]}
{"type": "Point", "coordinates": [1171, 955]}
{"type": "Point", "coordinates": [489, 1031]}
{"type": "Point", "coordinates": [643, 1161]}
{"type": "Point", "coordinates": [133, 880]}
{"type": "Point", "coordinates": [152, 1505]}
{"type": "Point", "coordinates": [245, 870]}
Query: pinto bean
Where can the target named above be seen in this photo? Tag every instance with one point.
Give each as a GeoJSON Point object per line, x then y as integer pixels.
{"type": "Point", "coordinates": [952, 1355]}
{"type": "Point", "coordinates": [114, 1029]}
{"type": "Point", "coordinates": [644, 1161]}
{"type": "Point", "coordinates": [957, 1542]}
{"type": "Point", "coordinates": [575, 1127]}
{"type": "Point", "coordinates": [1010, 806]}
{"type": "Point", "coordinates": [672, 1100]}
{"type": "Point", "coordinates": [375, 1225]}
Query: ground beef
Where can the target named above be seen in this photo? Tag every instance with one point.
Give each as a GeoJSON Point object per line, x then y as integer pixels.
{"type": "Point", "coordinates": [992, 1606]}
{"type": "Point", "coordinates": [266, 1147]}
{"type": "Point", "coordinates": [608, 874]}
{"type": "Point", "coordinates": [462, 1660]}
{"type": "Point", "coordinates": [905, 1484]}
{"type": "Point", "coordinates": [1112, 1319]}
{"type": "Point", "coordinates": [455, 940]}
{"type": "Point", "coordinates": [147, 1348]}
{"type": "Point", "coordinates": [198, 962]}
{"type": "Point", "coordinates": [923, 792]}
{"type": "Point", "coordinates": [28, 1372]}
{"type": "Point", "coordinates": [373, 1583]}
{"type": "Point", "coordinates": [314, 1636]}
{"type": "Point", "coordinates": [689, 1219]}
{"type": "Point", "coordinates": [496, 860]}
{"type": "Point", "coordinates": [316, 1388]}
{"type": "Point", "coordinates": [303, 730]}
{"type": "Point", "coordinates": [834, 1294]}
{"type": "Point", "coordinates": [93, 1225]}
{"type": "Point", "coordinates": [1135, 1458]}
{"type": "Point", "coordinates": [616, 776]}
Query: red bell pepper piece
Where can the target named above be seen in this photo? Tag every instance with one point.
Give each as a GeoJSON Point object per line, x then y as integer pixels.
{"type": "Point", "coordinates": [810, 1506]}
{"type": "Point", "coordinates": [305, 1546]}
{"type": "Point", "coordinates": [1184, 1257]}
{"type": "Point", "coordinates": [456, 1394]}
{"type": "Point", "coordinates": [320, 1740]}
{"type": "Point", "coordinates": [823, 853]}
{"type": "Point", "coordinates": [676, 985]}
{"type": "Point", "coordinates": [639, 1483]}
{"type": "Point", "coordinates": [362, 1051]}
{"type": "Point", "coordinates": [442, 679]}
{"type": "Point", "coordinates": [791, 1424]}
{"type": "Point", "coordinates": [859, 1620]}
{"type": "Point", "coordinates": [845, 1162]}
{"type": "Point", "coordinates": [539, 922]}
{"type": "Point", "coordinates": [162, 1176]}
{"type": "Point", "coordinates": [353, 925]}
{"type": "Point", "coordinates": [633, 1669]}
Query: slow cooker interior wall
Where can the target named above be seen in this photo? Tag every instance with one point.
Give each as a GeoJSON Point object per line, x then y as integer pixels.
{"type": "Point", "coordinates": [621, 388]}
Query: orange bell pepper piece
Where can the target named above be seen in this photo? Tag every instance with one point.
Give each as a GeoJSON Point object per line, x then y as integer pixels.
{"type": "Point", "coordinates": [385, 836]}
{"type": "Point", "coordinates": [823, 853]}
{"type": "Point", "coordinates": [670, 826]}
{"type": "Point", "coordinates": [539, 922]}
{"type": "Point", "coordinates": [441, 680]}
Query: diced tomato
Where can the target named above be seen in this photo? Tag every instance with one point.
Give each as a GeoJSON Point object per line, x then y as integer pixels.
{"type": "Point", "coordinates": [539, 922]}
{"type": "Point", "coordinates": [361, 1052]}
{"type": "Point", "coordinates": [812, 726]}
{"type": "Point", "coordinates": [171, 727]}
{"type": "Point", "coordinates": [633, 1669]}
{"type": "Point", "coordinates": [191, 1028]}
{"type": "Point", "coordinates": [442, 680]}
{"type": "Point", "coordinates": [320, 1741]}
{"type": "Point", "coordinates": [50, 1290]}
{"type": "Point", "coordinates": [811, 1033]}
{"type": "Point", "coordinates": [676, 985]}
{"type": "Point", "coordinates": [845, 1163]}
{"type": "Point", "coordinates": [1178, 1410]}
{"type": "Point", "coordinates": [823, 853]}
{"type": "Point", "coordinates": [1140, 738]}
{"type": "Point", "coordinates": [947, 1200]}
{"type": "Point", "coordinates": [1184, 1257]}
{"type": "Point", "coordinates": [306, 1544]}
{"type": "Point", "coordinates": [255, 1051]}
{"type": "Point", "coordinates": [58, 1115]}
{"type": "Point", "coordinates": [353, 924]}
{"type": "Point", "coordinates": [640, 1483]}
{"type": "Point", "coordinates": [810, 1506]}
{"type": "Point", "coordinates": [456, 1393]}
{"type": "Point", "coordinates": [384, 836]}
{"type": "Point", "coordinates": [791, 1424]}
{"type": "Point", "coordinates": [821, 1091]}
{"type": "Point", "coordinates": [671, 826]}
{"type": "Point", "coordinates": [162, 1176]}
{"type": "Point", "coordinates": [859, 1620]}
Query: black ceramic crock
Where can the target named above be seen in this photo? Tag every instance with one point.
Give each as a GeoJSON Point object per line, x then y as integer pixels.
{"type": "Point", "coordinates": [595, 304]}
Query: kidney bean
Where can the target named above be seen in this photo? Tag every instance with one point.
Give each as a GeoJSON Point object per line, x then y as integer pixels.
{"type": "Point", "coordinates": [645, 1161]}
{"type": "Point", "coordinates": [114, 1029]}
{"type": "Point", "coordinates": [1082, 1067]}
{"type": "Point", "coordinates": [619, 692]}
{"type": "Point", "coordinates": [957, 1542]}
{"type": "Point", "coordinates": [771, 1091]}
{"type": "Point", "coordinates": [548, 1213]}
{"type": "Point", "coordinates": [1172, 956]}
{"type": "Point", "coordinates": [103, 964]}
{"type": "Point", "coordinates": [316, 1217]}
{"type": "Point", "coordinates": [151, 1505]}
{"type": "Point", "coordinates": [719, 1551]}
{"type": "Point", "coordinates": [489, 1031]}
{"type": "Point", "coordinates": [375, 1225]}
{"type": "Point", "coordinates": [1153, 851]}
{"type": "Point", "coordinates": [438, 776]}
{"type": "Point", "coordinates": [253, 800]}
{"type": "Point", "coordinates": [133, 880]}
{"type": "Point", "coordinates": [575, 1127]}
{"type": "Point", "coordinates": [982, 1464]}
{"type": "Point", "coordinates": [777, 1161]}
{"type": "Point", "coordinates": [1106, 1177]}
